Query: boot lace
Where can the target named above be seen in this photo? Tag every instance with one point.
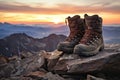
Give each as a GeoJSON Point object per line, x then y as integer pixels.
{"type": "Point", "coordinates": [90, 37]}
{"type": "Point", "coordinates": [75, 33]}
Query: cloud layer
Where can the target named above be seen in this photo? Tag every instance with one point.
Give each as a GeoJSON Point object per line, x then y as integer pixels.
{"type": "Point", "coordinates": [47, 11]}
{"type": "Point", "coordinates": [60, 8]}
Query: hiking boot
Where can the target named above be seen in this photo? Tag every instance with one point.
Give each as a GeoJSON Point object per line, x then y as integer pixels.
{"type": "Point", "coordinates": [76, 26]}
{"type": "Point", "coordinates": [92, 41]}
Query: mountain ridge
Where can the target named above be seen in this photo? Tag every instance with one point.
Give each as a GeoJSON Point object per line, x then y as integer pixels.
{"type": "Point", "coordinates": [110, 32]}
{"type": "Point", "coordinates": [21, 42]}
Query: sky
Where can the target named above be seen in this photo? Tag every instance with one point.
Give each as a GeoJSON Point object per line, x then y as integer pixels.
{"type": "Point", "coordinates": [55, 11]}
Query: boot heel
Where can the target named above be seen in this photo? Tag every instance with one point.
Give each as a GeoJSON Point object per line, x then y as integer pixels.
{"type": "Point", "coordinates": [101, 48]}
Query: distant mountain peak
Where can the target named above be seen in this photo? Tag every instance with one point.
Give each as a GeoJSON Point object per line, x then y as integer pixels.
{"type": "Point", "coordinates": [18, 36]}
{"type": "Point", "coordinates": [5, 23]}
{"type": "Point", "coordinates": [21, 42]}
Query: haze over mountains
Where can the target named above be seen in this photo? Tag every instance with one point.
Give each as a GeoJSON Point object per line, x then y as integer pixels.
{"type": "Point", "coordinates": [36, 31]}
{"type": "Point", "coordinates": [110, 33]}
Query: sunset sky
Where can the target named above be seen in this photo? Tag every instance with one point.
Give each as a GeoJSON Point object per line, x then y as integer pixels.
{"type": "Point", "coordinates": [55, 11]}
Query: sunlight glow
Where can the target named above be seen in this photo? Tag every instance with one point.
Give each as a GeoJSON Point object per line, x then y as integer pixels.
{"type": "Point", "coordinates": [23, 18]}
{"type": "Point", "coordinates": [56, 20]}
{"type": "Point", "coordinates": [55, 12]}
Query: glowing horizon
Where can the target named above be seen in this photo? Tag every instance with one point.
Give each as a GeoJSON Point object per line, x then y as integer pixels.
{"type": "Point", "coordinates": [55, 12]}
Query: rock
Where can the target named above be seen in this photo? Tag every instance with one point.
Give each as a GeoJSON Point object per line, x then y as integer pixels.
{"type": "Point", "coordinates": [62, 66]}
{"type": "Point", "coordinates": [22, 67]}
{"type": "Point", "coordinates": [51, 63]}
{"type": "Point", "coordinates": [50, 76]}
{"type": "Point", "coordinates": [106, 61]}
{"type": "Point", "coordinates": [52, 58]}
{"type": "Point", "coordinates": [90, 77]}
{"type": "Point", "coordinates": [39, 74]}
{"type": "Point", "coordinates": [3, 60]}
{"type": "Point", "coordinates": [13, 58]}
{"type": "Point", "coordinates": [25, 55]}
{"type": "Point", "coordinates": [17, 78]}
{"type": "Point", "coordinates": [51, 55]}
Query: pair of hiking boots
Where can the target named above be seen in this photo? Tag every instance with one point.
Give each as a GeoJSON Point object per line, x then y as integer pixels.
{"type": "Point", "coordinates": [85, 36]}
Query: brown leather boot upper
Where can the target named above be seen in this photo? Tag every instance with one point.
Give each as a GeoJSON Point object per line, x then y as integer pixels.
{"type": "Point", "coordinates": [93, 30]}
{"type": "Point", "coordinates": [76, 26]}
{"type": "Point", "coordinates": [92, 41]}
{"type": "Point", "coordinates": [77, 30]}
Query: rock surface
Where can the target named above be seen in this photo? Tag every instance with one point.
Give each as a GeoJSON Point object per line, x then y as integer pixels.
{"type": "Point", "coordinates": [51, 66]}
{"type": "Point", "coordinates": [90, 77]}
{"type": "Point", "coordinates": [105, 61]}
{"type": "Point", "coordinates": [21, 67]}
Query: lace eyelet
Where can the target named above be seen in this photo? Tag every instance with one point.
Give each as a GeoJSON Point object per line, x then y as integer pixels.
{"type": "Point", "coordinates": [87, 43]}
{"type": "Point", "coordinates": [78, 34]}
{"type": "Point", "coordinates": [75, 37]}
{"type": "Point", "coordinates": [91, 41]}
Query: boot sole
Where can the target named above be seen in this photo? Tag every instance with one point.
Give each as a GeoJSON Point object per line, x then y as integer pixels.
{"type": "Point", "coordinates": [91, 53]}
{"type": "Point", "coordinates": [66, 50]}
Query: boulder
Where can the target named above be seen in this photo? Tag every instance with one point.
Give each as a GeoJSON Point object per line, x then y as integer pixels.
{"type": "Point", "coordinates": [37, 75]}
{"type": "Point", "coordinates": [52, 58]}
{"type": "Point", "coordinates": [57, 65]}
{"type": "Point", "coordinates": [21, 66]}
{"type": "Point", "coordinates": [51, 76]}
{"type": "Point", "coordinates": [107, 61]}
{"type": "Point", "coordinates": [41, 75]}
{"type": "Point", "coordinates": [90, 77]}
{"type": "Point", "coordinates": [17, 78]}
{"type": "Point", "coordinates": [3, 60]}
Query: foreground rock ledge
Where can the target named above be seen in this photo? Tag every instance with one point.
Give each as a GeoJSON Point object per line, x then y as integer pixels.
{"type": "Point", "coordinates": [21, 67]}
{"type": "Point", "coordinates": [105, 61]}
{"type": "Point", "coordinates": [40, 66]}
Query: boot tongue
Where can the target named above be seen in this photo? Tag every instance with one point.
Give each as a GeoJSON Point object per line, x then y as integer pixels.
{"type": "Point", "coordinates": [94, 17]}
{"type": "Point", "coordinates": [73, 18]}
{"type": "Point", "coordinates": [75, 24]}
{"type": "Point", "coordinates": [72, 22]}
{"type": "Point", "coordinates": [76, 17]}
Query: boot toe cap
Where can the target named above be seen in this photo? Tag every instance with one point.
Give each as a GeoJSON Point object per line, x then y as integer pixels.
{"type": "Point", "coordinates": [84, 50]}
{"type": "Point", "coordinates": [65, 46]}
{"type": "Point", "coordinates": [80, 48]}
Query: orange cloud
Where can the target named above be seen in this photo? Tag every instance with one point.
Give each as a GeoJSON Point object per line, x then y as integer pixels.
{"type": "Point", "coordinates": [22, 13]}
{"type": "Point", "coordinates": [58, 9]}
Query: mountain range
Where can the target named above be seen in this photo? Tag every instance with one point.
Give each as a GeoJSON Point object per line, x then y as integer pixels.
{"type": "Point", "coordinates": [15, 39]}
{"type": "Point", "coordinates": [18, 43]}
{"type": "Point", "coordinates": [110, 32]}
